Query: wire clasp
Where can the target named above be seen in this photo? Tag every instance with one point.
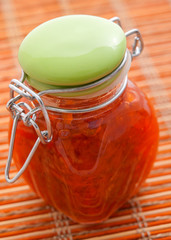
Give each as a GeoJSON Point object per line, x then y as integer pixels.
{"type": "Point", "coordinates": [23, 111]}
{"type": "Point", "coordinates": [138, 44]}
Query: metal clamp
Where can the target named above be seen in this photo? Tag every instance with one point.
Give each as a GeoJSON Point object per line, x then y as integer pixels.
{"type": "Point", "coordinates": [21, 111]}
{"type": "Point", "coordinates": [15, 108]}
{"type": "Point", "coordinates": [138, 44]}
{"type": "Point", "coordinates": [11, 147]}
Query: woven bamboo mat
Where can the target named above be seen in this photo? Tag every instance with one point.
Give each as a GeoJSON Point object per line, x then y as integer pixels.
{"type": "Point", "coordinates": [146, 216]}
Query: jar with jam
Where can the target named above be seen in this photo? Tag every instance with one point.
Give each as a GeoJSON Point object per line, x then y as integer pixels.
{"type": "Point", "coordinates": [83, 135]}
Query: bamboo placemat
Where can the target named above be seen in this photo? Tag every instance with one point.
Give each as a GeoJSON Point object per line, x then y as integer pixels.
{"type": "Point", "coordinates": [146, 216]}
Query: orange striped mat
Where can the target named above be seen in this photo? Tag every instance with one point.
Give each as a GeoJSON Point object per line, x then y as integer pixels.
{"type": "Point", "coordinates": [146, 216]}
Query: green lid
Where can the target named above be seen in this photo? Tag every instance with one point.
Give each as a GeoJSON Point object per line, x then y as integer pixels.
{"type": "Point", "coordinates": [71, 51]}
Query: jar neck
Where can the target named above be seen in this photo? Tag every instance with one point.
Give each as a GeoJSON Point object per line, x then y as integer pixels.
{"type": "Point", "coordinates": [83, 102]}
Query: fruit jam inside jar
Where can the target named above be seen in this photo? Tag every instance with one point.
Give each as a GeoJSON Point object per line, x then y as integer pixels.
{"type": "Point", "coordinates": [97, 159]}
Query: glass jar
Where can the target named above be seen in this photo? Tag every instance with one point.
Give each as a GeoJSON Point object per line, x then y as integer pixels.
{"type": "Point", "coordinates": [98, 150]}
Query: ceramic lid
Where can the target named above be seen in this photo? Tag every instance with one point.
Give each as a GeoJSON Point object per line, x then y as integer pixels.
{"type": "Point", "coordinates": [71, 51]}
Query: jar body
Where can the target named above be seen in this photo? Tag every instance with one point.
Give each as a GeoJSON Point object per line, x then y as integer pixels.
{"type": "Point", "coordinates": [96, 161]}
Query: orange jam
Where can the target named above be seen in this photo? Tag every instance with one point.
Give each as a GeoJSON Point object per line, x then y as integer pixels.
{"type": "Point", "coordinates": [97, 160]}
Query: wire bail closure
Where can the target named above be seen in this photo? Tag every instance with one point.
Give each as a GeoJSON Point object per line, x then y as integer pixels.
{"type": "Point", "coordinates": [18, 113]}
{"type": "Point", "coordinates": [26, 113]}
{"type": "Point", "coordinates": [138, 44]}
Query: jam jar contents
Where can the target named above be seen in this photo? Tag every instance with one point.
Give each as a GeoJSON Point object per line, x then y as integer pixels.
{"type": "Point", "coordinates": [104, 131]}
{"type": "Point", "coordinates": [96, 161]}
